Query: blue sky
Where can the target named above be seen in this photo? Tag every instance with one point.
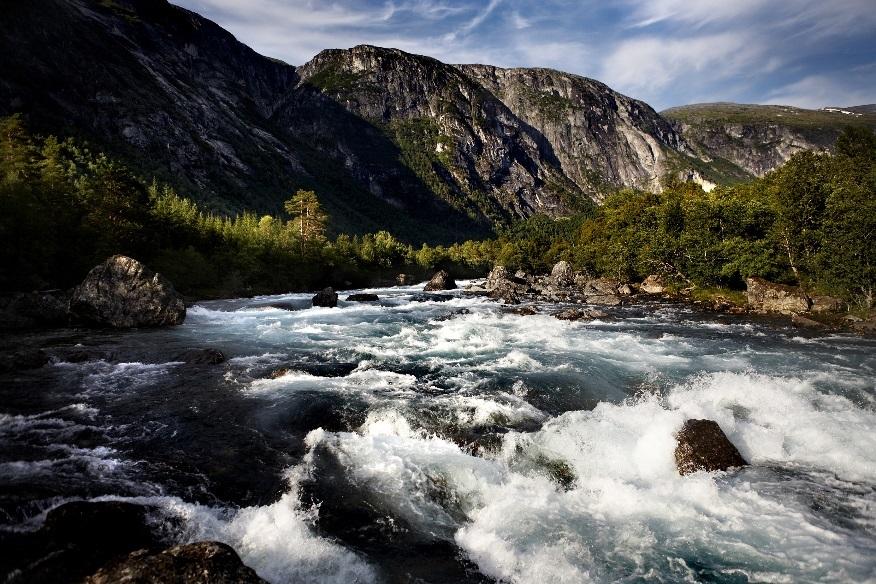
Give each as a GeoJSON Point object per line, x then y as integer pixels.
{"type": "Point", "coordinates": [808, 53]}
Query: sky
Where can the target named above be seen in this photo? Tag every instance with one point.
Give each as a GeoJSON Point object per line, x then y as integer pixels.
{"type": "Point", "coordinates": [807, 53]}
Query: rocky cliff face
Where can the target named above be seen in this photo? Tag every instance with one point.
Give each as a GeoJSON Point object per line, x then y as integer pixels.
{"type": "Point", "coordinates": [601, 139]}
{"type": "Point", "coordinates": [756, 139]}
{"type": "Point", "coordinates": [389, 140]}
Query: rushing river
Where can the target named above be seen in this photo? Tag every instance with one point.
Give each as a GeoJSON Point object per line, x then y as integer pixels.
{"type": "Point", "coordinates": [456, 441]}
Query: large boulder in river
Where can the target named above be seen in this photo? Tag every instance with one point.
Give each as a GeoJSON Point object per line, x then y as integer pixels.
{"type": "Point", "coordinates": [562, 274]}
{"type": "Point", "coordinates": [123, 293]}
{"type": "Point", "coordinates": [701, 445]}
{"type": "Point", "coordinates": [206, 562]}
{"type": "Point", "coordinates": [440, 281]}
{"type": "Point", "coordinates": [326, 298]}
{"type": "Point", "coordinates": [766, 296]}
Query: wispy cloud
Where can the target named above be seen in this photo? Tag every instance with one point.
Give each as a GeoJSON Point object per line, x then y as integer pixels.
{"type": "Point", "coordinates": [667, 52]}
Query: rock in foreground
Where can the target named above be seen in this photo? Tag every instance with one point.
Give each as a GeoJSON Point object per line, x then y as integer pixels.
{"type": "Point", "coordinates": [206, 562]}
{"type": "Point", "coordinates": [326, 298]}
{"type": "Point", "coordinates": [440, 281]}
{"type": "Point", "coordinates": [123, 293]}
{"type": "Point", "coordinates": [702, 445]}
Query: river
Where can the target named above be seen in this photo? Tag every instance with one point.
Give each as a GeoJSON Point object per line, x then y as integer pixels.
{"type": "Point", "coordinates": [455, 441]}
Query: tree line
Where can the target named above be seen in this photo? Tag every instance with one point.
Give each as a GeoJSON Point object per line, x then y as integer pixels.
{"type": "Point", "coordinates": [65, 208]}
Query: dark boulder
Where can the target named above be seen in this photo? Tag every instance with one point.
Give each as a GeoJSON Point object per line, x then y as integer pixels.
{"type": "Point", "coordinates": [326, 298]}
{"type": "Point", "coordinates": [23, 359]}
{"type": "Point", "coordinates": [206, 562]}
{"type": "Point", "coordinates": [76, 539]}
{"type": "Point", "coordinates": [208, 356]}
{"type": "Point", "coordinates": [440, 281]}
{"type": "Point", "coordinates": [35, 309]}
{"type": "Point", "coordinates": [364, 297]}
{"type": "Point", "coordinates": [123, 293]}
{"type": "Point", "coordinates": [702, 445]}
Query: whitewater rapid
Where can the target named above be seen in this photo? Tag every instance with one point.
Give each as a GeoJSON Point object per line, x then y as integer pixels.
{"type": "Point", "coordinates": [459, 441]}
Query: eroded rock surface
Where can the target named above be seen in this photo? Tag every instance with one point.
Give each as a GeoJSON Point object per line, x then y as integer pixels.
{"type": "Point", "coordinates": [123, 293]}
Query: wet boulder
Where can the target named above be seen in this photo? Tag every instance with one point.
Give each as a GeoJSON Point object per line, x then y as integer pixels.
{"type": "Point", "coordinates": [440, 281]}
{"type": "Point", "coordinates": [206, 562]}
{"type": "Point", "coordinates": [562, 275]}
{"type": "Point", "coordinates": [605, 300]}
{"type": "Point", "coordinates": [765, 296]}
{"type": "Point", "coordinates": [123, 293]}
{"type": "Point", "coordinates": [76, 539]}
{"type": "Point", "coordinates": [362, 297]}
{"type": "Point", "coordinates": [653, 284]}
{"type": "Point", "coordinates": [208, 356]}
{"type": "Point", "coordinates": [702, 445]}
{"type": "Point", "coordinates": [580, 314]}
{"type": "Point", "coordinates": [326, 298]}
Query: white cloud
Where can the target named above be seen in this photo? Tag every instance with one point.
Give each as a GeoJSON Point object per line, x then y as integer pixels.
{"type": "Point", "coordinates": [650, 64]}
{"type": "Point", "coordinates": [816, 91]}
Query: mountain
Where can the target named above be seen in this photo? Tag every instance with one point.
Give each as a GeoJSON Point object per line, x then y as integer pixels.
{"type": "Point", "coordinates": [741, 140]}
{"type": "Point", "coordinates": [388, 140]}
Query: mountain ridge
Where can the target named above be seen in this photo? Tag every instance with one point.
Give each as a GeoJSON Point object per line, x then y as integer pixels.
{"type": "Point", "coordinates": [389, 140]}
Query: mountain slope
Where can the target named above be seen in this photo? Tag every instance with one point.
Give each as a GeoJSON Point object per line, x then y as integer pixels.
{"type": "Point", "coordinates": [758, 138]}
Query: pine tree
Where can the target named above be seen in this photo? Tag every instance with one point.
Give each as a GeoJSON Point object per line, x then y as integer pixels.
{"type": "Point", "coordinates": [308, 218]}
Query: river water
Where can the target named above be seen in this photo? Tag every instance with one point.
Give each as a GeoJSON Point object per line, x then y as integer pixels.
{"type": "Point", "coordinates": [454, 441]}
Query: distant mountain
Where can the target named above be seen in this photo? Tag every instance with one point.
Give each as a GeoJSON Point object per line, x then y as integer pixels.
{"type": "Point", "coordinates": [758, 138]}
{"type": "Point", "coordinates": [857, 109]}
{"type": "Point", "coordinates": [389, 140]}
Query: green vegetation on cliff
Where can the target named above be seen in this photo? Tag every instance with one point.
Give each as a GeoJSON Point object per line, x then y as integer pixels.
{"type": "Point", "coordinates": [64, 208]}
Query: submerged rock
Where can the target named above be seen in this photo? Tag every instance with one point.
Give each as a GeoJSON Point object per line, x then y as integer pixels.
{"type": "Point", "coordinates": [123, 293]}
{"type": "Point", "coordinates": [23, 360]}
{"type": "Point", "coordinates": [580, 314]}
{"type": "Point", "coordinates": [207, 356]}
{"type": "Point", "coordinates": [206, 562]}
{"type": "Point", "coordinates": [326, 298]}
{"type": "Point", "coordinates": [431, 298]}
{"type": "Point", "coordinates": [702, 445]}
{"type": "Point", "coordinates": [767, 296]}
{"type": "Point", "coordinates": [653, 284]}
{"type": "Point", "coordinates": [440, 281]}
{"type": "Point", "coordinates": [362, 298]}
{"type": "Point", "coordinates": [524, 310]}
{"type": "Point", "coordinates": [803, 322]}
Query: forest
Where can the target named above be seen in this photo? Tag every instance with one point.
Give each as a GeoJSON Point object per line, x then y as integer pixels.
{"type": "Point", "coordinates": [65, 207]}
